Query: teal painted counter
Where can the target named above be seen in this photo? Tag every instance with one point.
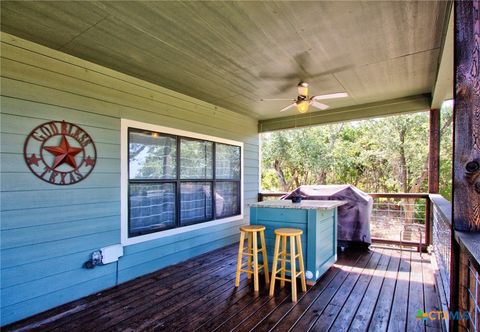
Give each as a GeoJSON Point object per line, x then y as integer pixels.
{"type": "Point", "coordinates": [317, 220]}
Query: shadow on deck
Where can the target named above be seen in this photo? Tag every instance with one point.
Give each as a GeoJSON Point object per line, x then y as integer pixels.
{"type": "Point", "coordinates": [379, 290]}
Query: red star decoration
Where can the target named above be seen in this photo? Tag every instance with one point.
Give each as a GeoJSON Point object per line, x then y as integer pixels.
{"type": "Point", "coordinates": [64, 153]}
{"type": "Point", "coordinates": [89, 161]}
{"type": "Point", "coordinates": [33, 160]}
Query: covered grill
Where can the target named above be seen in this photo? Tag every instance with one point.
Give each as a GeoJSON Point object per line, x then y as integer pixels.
{"type": "Point", "coordinates": [353, 217]}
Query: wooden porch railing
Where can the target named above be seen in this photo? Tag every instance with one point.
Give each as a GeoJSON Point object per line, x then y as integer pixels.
{"type": "Point", "coordinates": [456, 257]}
{"type": "Point", "coordinates": [397, 219]}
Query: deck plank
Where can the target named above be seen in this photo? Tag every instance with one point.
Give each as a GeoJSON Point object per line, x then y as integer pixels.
{"type": "Point", "coordinates": [269, 321]}
{"type": "Point", "coordinates": [130, 304]}
{"type": "Point", "coordinates": [197, 308]}
{"type": "Point", "coordinates": [117, 295]}
{"type": "Point", "coordinates": [151, 308]}
{"type": "Point", "coordinates": [265, 304]}
{"type": "Point", "coordinates": [381, 312]}
{"type": "Point", "coordinates": [415, 296]}
{"type": "Point", "coordinates": [316, 309]}
{"type": "Point", "coordinates": [398, 314]}
{"type": "Point", "coordinates": [359, 306]}
{"type": "Point", "coordinates": [358, 277]}
{"type": "Point", "coordinates": [431, 295]}
{"type": "Point", "coordinates": [376, 290]}
{"type": "Point", "coordinates": [215, 319]}
{"type": "Point", "coordinates": [339, 270]}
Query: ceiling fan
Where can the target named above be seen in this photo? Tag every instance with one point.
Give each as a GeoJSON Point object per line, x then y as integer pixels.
{"type": "Point", "coordinates": [303, 101]}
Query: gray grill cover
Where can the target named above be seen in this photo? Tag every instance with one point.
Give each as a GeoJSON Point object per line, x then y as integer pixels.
{"type": "Point", "coordinates": [353, 217]}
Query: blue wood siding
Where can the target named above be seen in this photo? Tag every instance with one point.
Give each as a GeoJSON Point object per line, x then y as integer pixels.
{"type": "Point", "coordinates": [47, 231]}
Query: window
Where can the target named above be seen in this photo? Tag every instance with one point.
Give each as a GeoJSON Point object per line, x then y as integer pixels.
{"type": "Point", "coordinates": [177, 179]}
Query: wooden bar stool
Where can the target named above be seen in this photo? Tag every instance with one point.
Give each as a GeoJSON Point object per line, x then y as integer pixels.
{"type": "Point", "coordinates": [252, 251]}
{"type": "Point", "coordinates": [295, 236]}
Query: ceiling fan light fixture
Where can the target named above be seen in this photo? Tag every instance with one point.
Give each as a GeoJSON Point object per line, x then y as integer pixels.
{"type": "Point", "coordinates": [302, 106]}
{"type": "Point", "coordinates": [302, 89]}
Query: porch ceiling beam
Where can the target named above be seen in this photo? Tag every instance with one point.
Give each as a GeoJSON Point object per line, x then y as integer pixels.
{"type": "Point", "coordinates": [417, 103]}
{"type": "Point", "coordinates": [443, 88]}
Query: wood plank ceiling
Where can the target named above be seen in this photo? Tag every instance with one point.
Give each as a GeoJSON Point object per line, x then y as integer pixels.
{"type": "Point", "coordinates": [233, 54]}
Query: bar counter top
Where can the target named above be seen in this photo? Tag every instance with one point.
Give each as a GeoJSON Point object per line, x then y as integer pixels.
{"type": "Point", "coordinates": [304, 204]}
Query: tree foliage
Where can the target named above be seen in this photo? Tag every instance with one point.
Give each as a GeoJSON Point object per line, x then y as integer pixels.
{"type": "Point", "coordinates": [379, 155]}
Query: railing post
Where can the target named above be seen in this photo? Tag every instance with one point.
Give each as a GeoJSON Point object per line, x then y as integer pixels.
{"type": "Point", "coordinates": [428, 221]}
{"type": "Point", "coordinates": [434, 152]}
{"type": "Point", "coordinates": [454, 281]}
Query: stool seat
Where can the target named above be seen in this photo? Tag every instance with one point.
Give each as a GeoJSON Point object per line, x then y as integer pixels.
{"type": "Point", "coordinates": [288, 231]}
{"type": "Point", "coordinates": [252, 228]}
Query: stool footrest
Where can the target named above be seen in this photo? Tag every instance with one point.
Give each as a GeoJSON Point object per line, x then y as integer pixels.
{"type": "Point", "coordinates": [251, 271]}
{"type": "Point", "coordinates": [259, 267]}
{"type": "Point", "coordinates": [280, 278]}
{"type": "Point", "coordinates": [246, 271]}
{"type": "Point", "coordinates": [246, 252]}
{"type": "Point", "coordinates": [286, 260]}
{"type": "Point", "coordinates": [289, 271]}
{"type": "Point", "coordinates": [281, 269]}
{"type": "Point", "coordinates": [284, 279]}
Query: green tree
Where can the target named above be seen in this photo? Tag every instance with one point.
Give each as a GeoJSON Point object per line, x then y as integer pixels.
{"type": "Point", "coordinates": [379, 155]}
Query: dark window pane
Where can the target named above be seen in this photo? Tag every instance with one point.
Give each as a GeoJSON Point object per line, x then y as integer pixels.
{"type": "Point", "coordinates": [151, 155]}
{"type": "Point", "coordinates": [151, 208]}
{"type": "Point", "coordinates": [227, 199]}
{"type": "Point", "coordinates": [195, 202]}
{"type": "Point", "coordinates": [196, 159]}
{"type": "Point", "coordinates": [227, 162]}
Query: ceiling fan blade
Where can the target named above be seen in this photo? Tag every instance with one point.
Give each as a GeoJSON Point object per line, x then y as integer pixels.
{"type": "Point", "coordinates": [304, 61]}
{"type": "Point", "coordinates": [319, 105]}
{"type": "Point", "coordinates": [331, 71]}
{"type": "Point", "coordinates": [289, 86]}
{"type": "Point", "coordinates": [288, 107]}
{"type": "Point", "coordinates": [273, 99]}
{"type": "Point", "coordinates": [331, 96]}
{"type": "Point", "coordinates": [276, 77]}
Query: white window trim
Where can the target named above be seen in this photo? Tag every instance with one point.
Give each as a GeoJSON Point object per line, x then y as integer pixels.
{"type": "Point", "coordinates": [125, 124]}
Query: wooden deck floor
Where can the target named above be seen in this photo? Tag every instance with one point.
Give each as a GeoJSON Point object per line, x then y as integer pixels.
{"type": "Point", "coordinates": [380, 290]}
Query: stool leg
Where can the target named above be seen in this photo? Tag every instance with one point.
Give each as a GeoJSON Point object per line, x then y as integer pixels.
{"type": "Point", "coordinates": [249, 256]}
{"type": "Point", "coordinates": [293, 269]}
{"type": "Point", "coordinates": [284, 258]}
{"type": "Point", "coordinates": [274, 266]}
{"type": "Point", "coordinates": [300, 260]}
{"type": "Point", "coordinates": [239, 258]}
{"type": "Point", "coordinates": [265, 256]}
{"type": "Point", "coordinates": [255, 262]}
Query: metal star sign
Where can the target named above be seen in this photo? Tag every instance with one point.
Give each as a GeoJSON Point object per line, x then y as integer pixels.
{"type": "Point", "coordinates": [60, 153]}
{"type": "Point", "coordinates": [64, 153]}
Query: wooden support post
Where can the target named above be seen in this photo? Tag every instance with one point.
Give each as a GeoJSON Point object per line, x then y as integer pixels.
{"type": "Point", "coordinates": [466, 159]}
{"type": "Point", "coordinates": [434, 152]}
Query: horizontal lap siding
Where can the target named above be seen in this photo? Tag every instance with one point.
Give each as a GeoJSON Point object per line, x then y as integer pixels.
{"type": "Point", "coordinates": [47, 231]}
